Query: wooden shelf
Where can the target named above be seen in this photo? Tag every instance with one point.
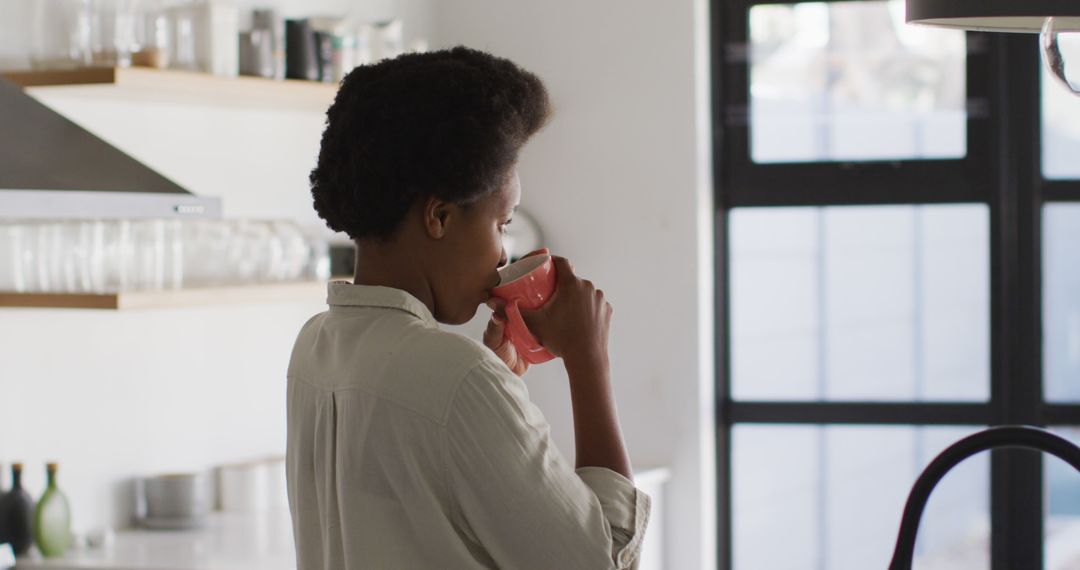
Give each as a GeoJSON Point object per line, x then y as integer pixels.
{"type": "Point", "coordinates": [171, 86]}
{"type": "Point", "coordinates": [303, 291]}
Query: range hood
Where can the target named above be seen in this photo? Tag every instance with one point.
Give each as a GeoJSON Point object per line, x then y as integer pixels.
{"type": "Point", "coordinates": [51, 168]}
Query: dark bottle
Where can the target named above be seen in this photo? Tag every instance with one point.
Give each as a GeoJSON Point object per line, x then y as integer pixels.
{"type": "Point", "coordinates": [3, 519]}
{"type": "Point", "coordinates": [17, 514]}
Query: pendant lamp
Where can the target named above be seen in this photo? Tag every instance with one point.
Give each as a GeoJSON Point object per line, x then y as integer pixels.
{"type": "Point", "coordinates": [1050, 18]}
{"type": "Point", "coordinates": [993, 15]}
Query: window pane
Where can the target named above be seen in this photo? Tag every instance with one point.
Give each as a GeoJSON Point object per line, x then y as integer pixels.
{"type": "Point", "coordinates": [879, 303]}
{"type": "Point", "coordinates": [1061, 302]}
{"type": "Point", "coordinates": [834, 495]}
{"type": "Point", "coordinates": [1061, 117]}
{"type": "Point", "coordinates": [1063, 510]}
{"type": "Point", "coordinates": [851, 81]}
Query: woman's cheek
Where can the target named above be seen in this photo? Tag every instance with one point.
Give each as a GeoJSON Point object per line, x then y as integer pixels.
{"type": "Point", "coordinates": [497, 246]}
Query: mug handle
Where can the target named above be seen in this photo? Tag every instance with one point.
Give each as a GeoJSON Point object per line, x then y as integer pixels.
{"type": "Point", "coordinates": [528, 347]}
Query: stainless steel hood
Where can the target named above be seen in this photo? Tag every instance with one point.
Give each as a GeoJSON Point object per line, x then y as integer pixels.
{"type": "Point", "coordinates": [52, 168]}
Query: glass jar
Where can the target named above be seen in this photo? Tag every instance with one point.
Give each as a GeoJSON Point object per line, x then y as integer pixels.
{"type": "Point", "coordinates": [112, 32]}
{"type": "Point", "coordinates": [152, 35]}
{"type": "Point", "coordinates": [61, 32]}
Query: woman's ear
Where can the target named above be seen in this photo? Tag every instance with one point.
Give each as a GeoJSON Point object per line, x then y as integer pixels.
{"type": "Point", "coordinates": [437, 215]}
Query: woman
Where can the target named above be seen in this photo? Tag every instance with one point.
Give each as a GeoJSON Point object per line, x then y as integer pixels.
{"type": "Point", "coordinates": [410, 447]}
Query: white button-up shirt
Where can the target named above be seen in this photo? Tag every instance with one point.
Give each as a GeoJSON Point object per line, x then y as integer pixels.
{"type": "Point", "coordinates": [410, 447]}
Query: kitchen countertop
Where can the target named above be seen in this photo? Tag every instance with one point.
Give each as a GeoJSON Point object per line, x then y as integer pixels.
{"type": "Point", "coordinates": [229, 541]}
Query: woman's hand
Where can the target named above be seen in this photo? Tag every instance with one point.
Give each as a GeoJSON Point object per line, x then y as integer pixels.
{"type": "Point", "coordinates": [575, 322]}
{"type": "Point", "coordinates": [498, 341]}
{"type": "Point", "coordinates": [495, 336]}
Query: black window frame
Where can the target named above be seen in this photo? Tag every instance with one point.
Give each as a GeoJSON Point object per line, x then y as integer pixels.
{"type": "Point", "coordinates": [1002, 169]}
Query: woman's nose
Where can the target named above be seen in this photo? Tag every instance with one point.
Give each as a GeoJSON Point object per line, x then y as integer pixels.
{"type": "Point", "coordinates": [504, 258]}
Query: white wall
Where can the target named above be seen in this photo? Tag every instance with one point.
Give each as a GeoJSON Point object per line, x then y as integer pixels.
{"type": "Point", "coordinates": [113, 395]}
{"type": "Point", "coordinates": [620, 184]}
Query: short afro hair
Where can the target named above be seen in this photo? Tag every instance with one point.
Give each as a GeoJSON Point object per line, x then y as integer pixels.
{"type": "Point", "coordinates": [447, 123]}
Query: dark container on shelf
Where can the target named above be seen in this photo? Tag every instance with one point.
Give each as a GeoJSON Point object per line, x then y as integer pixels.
{"type": "Point", "coordinates": [301, 59]}
{"type": "Point", "coordinates": [17, 515]}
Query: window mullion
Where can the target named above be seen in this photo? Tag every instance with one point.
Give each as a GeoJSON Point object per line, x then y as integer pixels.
{"type": "Point", "coordinates": [1016, 371]}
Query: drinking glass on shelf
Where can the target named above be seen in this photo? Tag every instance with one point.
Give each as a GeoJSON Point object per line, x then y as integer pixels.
{"type": "Point", "coordinates": [294, 249]}
{"type": "Point", "coordinates": [118, 254]}
{"type": "Point", "coordinates": [174, 254]}
{"type": "Point", "coordinates": [76, 272]}
{"type": "Point", "coordinates": [35, 260]}
{"type": "Point", "coordinates": [24, 274]}
{"type": "Point", "coordinates": [112, 32]}
{"type": "Point", "coordinates": [53, 258]}
{"type": "Point", "coordinates": [7, 257]}
{"type": "Point", "coordinates": [184, 36]}
{"type": "Point", "coordinates": [152, 35]}
{"type": "Point", "coordinates": [147, 264]}
{"type": "Point", "coordinates": [70, 256]}
{"type": "Point", "coordinates": [104, 256]}
{"type": "Point", "coordinates": [317, 263]}
{"type": "Point", "coordinates": [92, 239]}
{"type": "Point", "coordinates": [17, 237]}
{"type": "Point", "coordinates": [61, 32]}
{"type": "Point", "coordinates": [205, 252]}
{"type": "Point", "coordinates": [245, 252]}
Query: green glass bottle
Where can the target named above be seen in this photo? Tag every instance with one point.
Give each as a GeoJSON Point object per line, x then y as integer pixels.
{"type": "Point", "coordinates": [52, 519]}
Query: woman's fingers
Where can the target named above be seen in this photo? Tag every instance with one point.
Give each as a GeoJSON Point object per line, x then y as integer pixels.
{"type": "Point", "coordinates": [498, 341]}
{"type": "Point", "coordinates": [563, 268]}
{"type": "Point", "coordinates": [497, 306]}
{"type": "Point", "coordinates": [577, 317]}
{"type": "Point", "coordinates": [495, 338]}
{"type": "Point", "coordinates": [495, 333]}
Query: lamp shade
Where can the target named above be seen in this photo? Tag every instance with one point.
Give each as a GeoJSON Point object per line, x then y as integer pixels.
{"type": "Point", "coordinates": [995, 15]}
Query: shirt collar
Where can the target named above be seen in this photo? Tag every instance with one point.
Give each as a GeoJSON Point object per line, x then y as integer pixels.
{"type": "Point", "coordinates": [344, 293]}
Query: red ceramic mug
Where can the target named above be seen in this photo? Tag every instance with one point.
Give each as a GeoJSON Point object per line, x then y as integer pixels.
{"type": "Point", "coordinates": [526, 284]}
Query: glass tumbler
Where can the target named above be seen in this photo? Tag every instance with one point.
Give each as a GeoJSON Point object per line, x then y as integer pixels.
{"type": "Point", "coordinates": [61, 32]}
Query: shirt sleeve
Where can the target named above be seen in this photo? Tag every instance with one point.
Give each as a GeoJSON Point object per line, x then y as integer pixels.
{"type": "Point", "coordinates": [519, 496]}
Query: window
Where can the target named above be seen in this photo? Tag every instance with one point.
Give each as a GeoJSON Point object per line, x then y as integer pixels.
{"type": "Point", "coordinates": [1063, 510]}
{"type": "Point", "coordinates": [1061, 120]}
{"type": "Point", "coordinates": [851, 81]}
{"type": "Point", "coordinates": [1061, 308]}
{"type": "Point", "coordinates": [896, 271]}
{"type": "Point", "coordinates": [828, 490]}
{"type": "Point", "coordinates": [860, 303]}
{"type": "Point", "coordinates": [1061, 300]}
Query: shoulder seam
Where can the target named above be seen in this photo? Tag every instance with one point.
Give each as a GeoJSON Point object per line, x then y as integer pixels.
{"type": "Point", "coordinates": [457, 386]}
